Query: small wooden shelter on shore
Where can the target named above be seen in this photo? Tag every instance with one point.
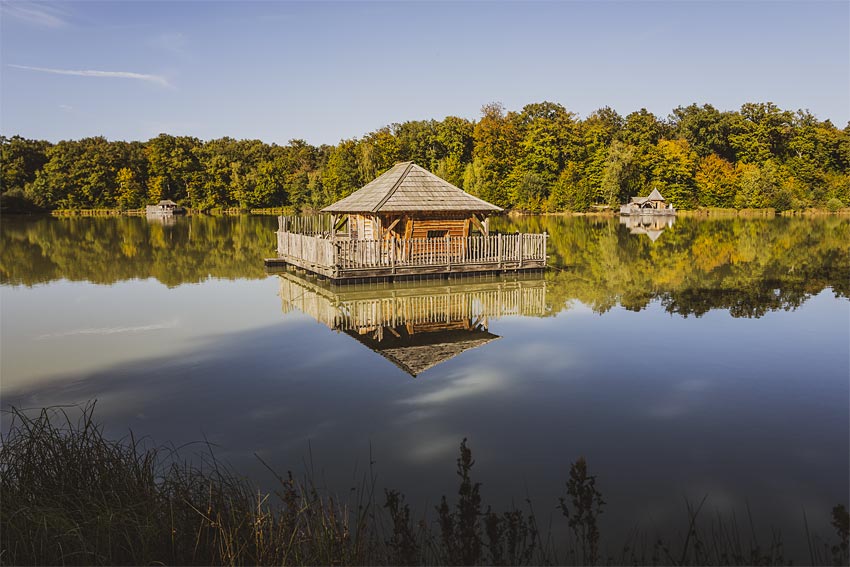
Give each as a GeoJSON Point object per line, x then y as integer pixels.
{"type": "Point", "coordinates": [406, 222]}
{"type": "Point", "coordinates": [166, 207]}
{"type": "Point", "coordinates": [652, 204]}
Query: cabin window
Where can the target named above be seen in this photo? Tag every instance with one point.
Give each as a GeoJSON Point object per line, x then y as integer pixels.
{"type": "Point", "coordinates": [437, 233]}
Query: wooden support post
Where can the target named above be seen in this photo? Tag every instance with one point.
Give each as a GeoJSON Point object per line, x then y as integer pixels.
{"type": "Point", "coordinates": [392, 225]}
{"type": "Point", "coordinates": [521, 238]}
{"type": "Point", "coordinates": [479, 225]}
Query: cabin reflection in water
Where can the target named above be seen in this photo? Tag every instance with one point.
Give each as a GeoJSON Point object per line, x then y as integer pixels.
{"type": "Point", "coordinates": [416, 325]}
{"type": "Point", "coordinates": [652, 226]}
{"type": "Point", "coordinates": [165, 220]}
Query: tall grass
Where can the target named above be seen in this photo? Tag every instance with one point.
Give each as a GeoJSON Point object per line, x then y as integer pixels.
{"type": "Point", "coordinates": [70, 496]}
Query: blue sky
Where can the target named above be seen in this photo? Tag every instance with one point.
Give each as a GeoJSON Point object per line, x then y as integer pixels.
{"type": "Point", "coordinates": [324, 71]}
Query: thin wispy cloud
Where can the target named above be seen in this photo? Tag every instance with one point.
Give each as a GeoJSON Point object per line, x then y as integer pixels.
{"type": "Point", "coordinates": [36, 14]}
{"type": "Point", "coordinates": [157, 79]}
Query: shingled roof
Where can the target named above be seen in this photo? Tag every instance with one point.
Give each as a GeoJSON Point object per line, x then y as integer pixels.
{"type": "Point", "coordinates": [655, 196]}
{"type": "Point", "coordinates": [406, 187]}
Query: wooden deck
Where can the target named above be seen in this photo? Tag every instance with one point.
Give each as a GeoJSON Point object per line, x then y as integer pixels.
{"type": "Point", "coordinates": [341, 259]}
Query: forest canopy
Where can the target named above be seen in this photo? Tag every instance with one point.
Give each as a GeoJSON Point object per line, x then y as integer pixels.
{"type": "Point", "coordinates": [542, 158]}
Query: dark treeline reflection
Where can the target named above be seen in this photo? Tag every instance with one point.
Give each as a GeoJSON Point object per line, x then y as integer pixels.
{"type": "Point", "coordinates": [746, 266]}
{"type": "Point", "coordinates": [109, 250]}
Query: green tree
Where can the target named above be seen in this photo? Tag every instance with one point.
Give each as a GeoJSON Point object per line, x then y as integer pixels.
{"type": "Point", "coordinates": [496, 147]}
{"type": "Point", "coordinates": [548, 138]}
{"type": "Point", "coordinates": [715, 182]}
{"type": "Point", "coordinates": [705, 128]}
{"type": "Point", "coordinates": [131, 193]}
{"type": "Point", "coordinates": [673, 171]}
{"type": "Point", "coordinates": [761, 133]}
{"type": "Point", "coordinates": [376, 153]}
{"type": "Point", "coordinates": [571, 191]}
{"type": "Point", "coordinates": [619, 177]}
{"type": "Point", "coordinates": [20, 161]}
{"type": "Point", "coordinates": [417, 142]}
{"type": "Point", "coordinates": [757, 185]}
{"type": "Point", "coordinates": [79, 174]}
{"type": "Point", "coordinates": [454, 137]}
{"type": "Point", "coordinates": [173, 168]}
{"type": "Point", "coordinates": [341, 176]}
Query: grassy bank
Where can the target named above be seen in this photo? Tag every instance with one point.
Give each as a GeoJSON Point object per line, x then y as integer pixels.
{"type": "Point", "coordinates": [95, 212]}
{"type": "Point", "coordinates": [71, 496]}
{"type": "Point", "coordinates": [709, 212]}
{"type": "Point", "coordinates": [136, 212]}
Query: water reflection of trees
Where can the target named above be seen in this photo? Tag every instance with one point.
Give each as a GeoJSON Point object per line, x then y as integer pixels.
{"type": "Point", "coordinates": [108, 250]}
{"type": "Point", "coordinates": [746, 266]}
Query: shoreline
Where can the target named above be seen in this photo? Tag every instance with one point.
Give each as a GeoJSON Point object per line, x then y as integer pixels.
{"type": "Point", "coordinates": [274, 211]}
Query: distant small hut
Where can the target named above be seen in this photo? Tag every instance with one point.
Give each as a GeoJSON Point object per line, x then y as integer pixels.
{"type": "Point", "coordinates": [407, 222]}
{"type": "Point", "coordinates": [164, 207]}
{"type": "Point", "coordinates": [653, 204]}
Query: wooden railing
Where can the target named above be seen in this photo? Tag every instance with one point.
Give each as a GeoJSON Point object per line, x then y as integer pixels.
{"type": "Point", "coordinates": [315, 224]}
{"type": "Point", "coordinates": [316, 251]}
{"type": "Point", "coordinates": [346, 254]}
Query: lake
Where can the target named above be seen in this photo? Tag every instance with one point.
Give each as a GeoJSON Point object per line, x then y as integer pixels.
{"type": "Point", "coordinates": [700, 358]}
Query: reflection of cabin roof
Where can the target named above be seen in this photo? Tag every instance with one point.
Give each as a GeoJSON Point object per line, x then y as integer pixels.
{"type": "Point", "coordinates": [423, 350]}
{"type": "Point", "coordinates": [406, 187]}
{"type": "Point", "coordinates": [653, 234]}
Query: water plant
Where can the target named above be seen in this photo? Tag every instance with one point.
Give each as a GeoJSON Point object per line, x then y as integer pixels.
{"type": "Point", "coordinates": [71, 496]}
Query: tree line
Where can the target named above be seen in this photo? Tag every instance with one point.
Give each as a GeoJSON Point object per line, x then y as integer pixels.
{"type": "Point", "coordinates": [542, 158]}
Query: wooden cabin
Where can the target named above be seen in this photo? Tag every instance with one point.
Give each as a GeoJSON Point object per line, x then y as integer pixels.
{"type": "Point", "coordinates": [653, 204]}
{"type": "Point", "coordinates": [407, 222]}
{"type": "Point", "coordinates": [166, 207]}
{"type": "Point", "coordinates": [409, 202]}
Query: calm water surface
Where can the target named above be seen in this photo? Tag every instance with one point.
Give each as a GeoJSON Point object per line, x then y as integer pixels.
{"type": "Point", "coordinates": [703, 358]}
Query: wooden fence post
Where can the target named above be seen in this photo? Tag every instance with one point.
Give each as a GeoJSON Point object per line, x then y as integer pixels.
{"type": "Point", "coordinates": [521, 242]}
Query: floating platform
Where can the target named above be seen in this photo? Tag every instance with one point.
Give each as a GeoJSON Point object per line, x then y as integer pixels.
{"type": "Point", "coordinates": [347, 260]}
